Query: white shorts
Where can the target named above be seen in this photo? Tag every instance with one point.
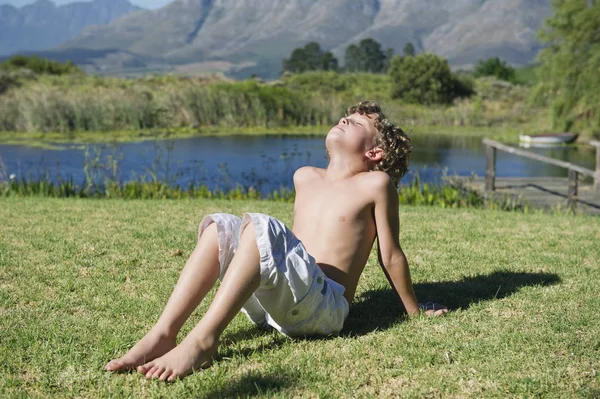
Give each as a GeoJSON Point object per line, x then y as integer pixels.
{"type": "Point", "coordinates": [294, 295]}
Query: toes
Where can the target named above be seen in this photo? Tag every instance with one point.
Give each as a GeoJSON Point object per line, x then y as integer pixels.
{"type": "Point", "coordinates": [113, 365]}
{"type": "Point", "coordinates": [158, 371]}
{"type": "Point", "coordinates": [143, 369]}
{"type": "Point", "coordinates": [151, 371]}
{"type": "Point", "coordinates": [117, 365]}
{"type": "Point", "coordinates": [165, 375]}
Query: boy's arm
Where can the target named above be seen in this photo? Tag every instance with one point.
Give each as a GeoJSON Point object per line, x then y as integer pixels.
{"type": "Point", "coordinates": [391, 256]}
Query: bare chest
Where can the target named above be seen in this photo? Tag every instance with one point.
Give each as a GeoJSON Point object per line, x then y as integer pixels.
{"type": "Point", "coordinates": [331, 209]}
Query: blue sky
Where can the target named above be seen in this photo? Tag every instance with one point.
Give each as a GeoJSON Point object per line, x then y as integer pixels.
{"type": "Point", "coordinates": [142, 3]}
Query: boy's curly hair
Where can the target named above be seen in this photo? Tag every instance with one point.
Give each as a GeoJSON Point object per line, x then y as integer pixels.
{"type": "Point", "coordinates": [390, 138]}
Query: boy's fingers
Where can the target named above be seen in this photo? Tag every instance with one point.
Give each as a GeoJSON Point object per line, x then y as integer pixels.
{"type": "Point", "coordinates": [433, 309]}
{"type": "Point", "coordinates": [440, 312]}
{"type": "Point", "coordinates": [436, 312]}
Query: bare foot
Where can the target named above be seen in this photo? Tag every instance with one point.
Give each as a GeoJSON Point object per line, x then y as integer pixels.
{"type": "Point", "coordinates": [181, 361]}
{"type": "Point", "coordinates": [151, 346]}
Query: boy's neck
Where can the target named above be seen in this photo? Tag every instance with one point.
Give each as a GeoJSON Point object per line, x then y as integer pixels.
{"type": "Point", "coordinates": [340, 168]}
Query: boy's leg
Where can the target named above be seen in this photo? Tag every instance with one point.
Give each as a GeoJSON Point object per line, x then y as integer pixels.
{"type": "Point", "coordinates": [197, 278]}
{"type": "Point", "coordinates": [200, 346]}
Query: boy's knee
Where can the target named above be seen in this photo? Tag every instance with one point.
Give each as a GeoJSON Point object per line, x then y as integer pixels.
{"type": "Point", "coordinates": [209, 234]}
{"type": "Point", "coordinates": [249, 231]}
{"type": "Point", "coordinates": [211, 229]}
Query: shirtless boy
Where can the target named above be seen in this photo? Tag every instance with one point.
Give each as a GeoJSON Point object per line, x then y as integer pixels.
{"type": "Point", "coordinates": [266, 270]}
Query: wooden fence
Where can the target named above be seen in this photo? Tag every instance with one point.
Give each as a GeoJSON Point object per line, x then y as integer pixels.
{"type": "Point", "coordinates": [574, 170]}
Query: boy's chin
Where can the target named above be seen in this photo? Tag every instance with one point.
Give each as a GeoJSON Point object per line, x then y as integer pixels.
{"type": "Point", "coordinates": [332, 139]}
{"type": "Point", "coordinates": [335, 135]}
{"type": "Point", "coordinates": [335, 131]}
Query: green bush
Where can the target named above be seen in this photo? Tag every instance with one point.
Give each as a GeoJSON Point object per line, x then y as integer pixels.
{"type": "Point", "coordinates": [495, 67]}
{"type": "Point", "coordinates": [16, 78]}
{"type": "Point", "coordinates": [351, 86]}
{"type": "Point", "coordinates": [39, 65]}
{"type": "Point", "coordinates": [426, 79]}
{"type": "Point", "coordinates": [7, 80]}
{"type": "Point", "coordinates": [527, 75]}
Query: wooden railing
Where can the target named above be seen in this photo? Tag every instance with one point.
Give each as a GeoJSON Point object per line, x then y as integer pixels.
{"type": "Point", "coordinates": [574, 170]}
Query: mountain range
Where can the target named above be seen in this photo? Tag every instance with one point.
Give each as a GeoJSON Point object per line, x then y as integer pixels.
{"type": "Point", "coordinates": [43, 25]}
{"type": "Point", "coordinates": [242, 37]}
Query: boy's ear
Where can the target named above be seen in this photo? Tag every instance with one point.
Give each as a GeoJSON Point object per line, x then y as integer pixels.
{"type": "Point", "coordinates": [374, 154]}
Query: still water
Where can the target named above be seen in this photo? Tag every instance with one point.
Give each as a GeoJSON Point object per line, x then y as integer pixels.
{"type": "Point", "coordinates": [267, 163]}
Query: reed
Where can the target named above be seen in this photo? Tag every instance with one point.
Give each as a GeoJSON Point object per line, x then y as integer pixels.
{"type": "Point", "coordinates": [82, 103]}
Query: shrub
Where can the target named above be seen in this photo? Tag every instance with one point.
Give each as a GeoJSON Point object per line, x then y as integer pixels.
{"type": "Point", "coordinates": [7, 80]}
{"type": "Point", "coordinates": [425, 79]}
{"type": "Point", "coordinates": [495, 67]}
{"type": "Point", "coordinates": [39, 65]}
{"type": "Point", "coordinates": [15, 78]}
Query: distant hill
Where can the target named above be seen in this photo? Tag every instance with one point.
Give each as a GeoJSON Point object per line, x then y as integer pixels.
{"type": "Point", "coordinates": [249, 36]}
{"type": "Point", "coordinates": [43, 25]}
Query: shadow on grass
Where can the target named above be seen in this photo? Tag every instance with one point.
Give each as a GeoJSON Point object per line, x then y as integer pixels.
{"type": "Point", "coordinates": [253, 384]}
{"type": "Point", "coordinates": [276, 341]}
{"type": "Point", "coordinates": [378, 309]}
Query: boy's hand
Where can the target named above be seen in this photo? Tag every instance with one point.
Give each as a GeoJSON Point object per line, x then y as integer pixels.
{"type": "Point", "coordinates": [433, 309]}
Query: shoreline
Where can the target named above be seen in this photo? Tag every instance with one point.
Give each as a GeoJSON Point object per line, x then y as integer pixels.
{"type": "Point", "coordinates": [52, 139]}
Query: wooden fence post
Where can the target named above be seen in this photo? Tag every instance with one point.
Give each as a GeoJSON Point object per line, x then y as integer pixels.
{"type": "Point", "coordinates": [572, 196]}
{"type": "Point", "coordinates": [490, 170]}
{"type": "Point", "coordinates": [597, 175]}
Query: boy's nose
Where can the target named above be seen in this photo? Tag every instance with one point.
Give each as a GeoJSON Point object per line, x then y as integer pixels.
{"type": "Point", "coordinates": [343, 121]}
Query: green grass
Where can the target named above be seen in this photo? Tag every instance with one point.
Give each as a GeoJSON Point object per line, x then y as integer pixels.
{"type": "Point", "coordinates": [82, 280]}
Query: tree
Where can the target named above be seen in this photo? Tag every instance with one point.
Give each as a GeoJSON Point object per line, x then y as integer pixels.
{"type": "Point", "coordinates": [389, 54]}
{"type": "Point", "coordinates": [569, 65]}
{"type": "Point", "coordinates": [313, 56]}
{"type": "Point", "coordinates": [426, 79]}
{"type": "Point", "coordinates": [373, 58]}
{"type": "Point", "coordinates": [352, 59]}
{"type": "Point", "coordinates": [310, 58]}
{"type": "Point", "coordinates": [39, 65]}
{"type": "Point", "coordinates": [367, 56]}
{"type": "Point", "coordinates": [409, 49]}
{"type": "Point", "coordinates": [330, 63]}
{"type": "Point", "coordinates": [495, 67]}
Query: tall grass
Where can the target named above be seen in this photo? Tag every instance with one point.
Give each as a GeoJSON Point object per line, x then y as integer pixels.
{"type": "Point", "coordinates": [75, 103]}
{"type": "Point", "coordinates": [78, 103]}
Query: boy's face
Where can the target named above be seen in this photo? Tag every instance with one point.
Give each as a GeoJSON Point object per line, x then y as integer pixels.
{"type": "Point", "coordinates": [354, 133]}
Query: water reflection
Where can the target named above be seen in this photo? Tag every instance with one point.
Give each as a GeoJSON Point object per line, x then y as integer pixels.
{"type": "Point", "coordinates": [266, 163]}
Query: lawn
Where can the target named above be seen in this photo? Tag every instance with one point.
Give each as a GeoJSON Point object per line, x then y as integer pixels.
{"type": "Point", "coordinates": [82, 280]}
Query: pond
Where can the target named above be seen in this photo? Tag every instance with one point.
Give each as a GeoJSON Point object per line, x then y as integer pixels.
{"type": "Point", "coordinates": [266, 163]}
